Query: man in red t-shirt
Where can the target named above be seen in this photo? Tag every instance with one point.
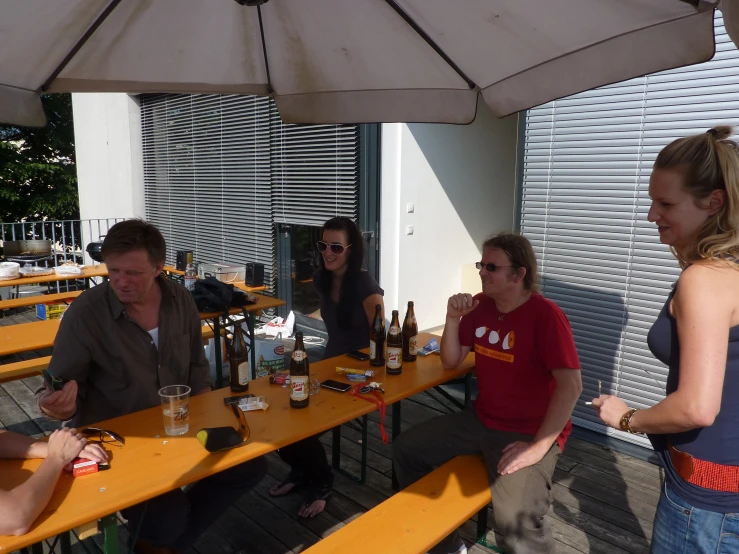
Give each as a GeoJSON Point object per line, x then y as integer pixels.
{"type": "Point", "coordinates": [528, 381]}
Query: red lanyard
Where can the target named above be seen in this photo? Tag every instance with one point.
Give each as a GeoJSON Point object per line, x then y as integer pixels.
{"type": "Point", "coordinates": [377, 401]}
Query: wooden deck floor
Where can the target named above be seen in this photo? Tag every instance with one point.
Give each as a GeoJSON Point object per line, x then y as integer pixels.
{"type": "Point", "coordinates": [604, 501]}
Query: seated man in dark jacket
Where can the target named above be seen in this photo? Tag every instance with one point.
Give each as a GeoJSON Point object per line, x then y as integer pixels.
{"type": "Point", "coordinates": [118, 344]}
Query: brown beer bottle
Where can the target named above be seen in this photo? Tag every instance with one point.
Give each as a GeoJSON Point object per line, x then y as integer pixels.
{"type": "Point", "coordinates": [238, 360]}
{"type": "Point", "coordinates": [394, 364]}
{"type": "Point", "coordinates": [377, 338]}
{"type": "Point", "coordinates": [299, 375]}
{"type": "Point", "coordinates": [410, 335]}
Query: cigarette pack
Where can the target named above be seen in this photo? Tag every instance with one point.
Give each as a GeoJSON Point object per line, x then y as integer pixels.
{"type": "Point", "coordinates": [279, 378]}
{"type": "Point", "coordinates": [81, 466]}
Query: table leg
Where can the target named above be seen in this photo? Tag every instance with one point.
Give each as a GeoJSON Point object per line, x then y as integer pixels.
{"type": "Point", "coordinates": [251, 321]}
{"type": "Point", "coordinates": [363, 467]}
{"type": "Point", "coordinates": [219, 361]}
{"type": "Point", "coordinates": [395, 433]}
{"type": "Point", "coordinates": [109, 527]}
{"type": "Point", "coordinates": [336, 448]}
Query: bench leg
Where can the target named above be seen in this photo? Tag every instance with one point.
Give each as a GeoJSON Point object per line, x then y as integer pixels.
{"type": "Point", "coordinates": [482, 531]}
{"type": "Point", "coordinates": [109, 527]}
{"type": "Point", "coordinates": [336, 452]}
{"type": "Point", "coordinates": [65, 543]}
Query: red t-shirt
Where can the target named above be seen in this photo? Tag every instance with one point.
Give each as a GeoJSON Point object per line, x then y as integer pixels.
{"type": "Point", "coordinates": [515, 356]}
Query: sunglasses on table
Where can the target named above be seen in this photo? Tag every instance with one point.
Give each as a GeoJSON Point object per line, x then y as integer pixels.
{"type": "Point", "coordinates": [492, 268]}
{"type": "Point", "coordinates": [335, 247]}
{"type": "Point", "coordinates": [103, 435]}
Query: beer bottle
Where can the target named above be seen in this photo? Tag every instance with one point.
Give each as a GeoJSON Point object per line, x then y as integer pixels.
{"type": "Point", "coordinates": [410, 335]}
{"type": "Point", "coordinates": [299, 375]}
{"type": "Point", "coordinates": [377, 338]}
{"type": "Point", "coordinates": [190, 275]}
{"type": "Point", "coordinates": [238, 360]}
{"type": "Point", "coordinates": [394, 365]}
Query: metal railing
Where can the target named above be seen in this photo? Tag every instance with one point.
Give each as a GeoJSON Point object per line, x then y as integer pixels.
{"type": "Point", "coordinates": [69, 238]}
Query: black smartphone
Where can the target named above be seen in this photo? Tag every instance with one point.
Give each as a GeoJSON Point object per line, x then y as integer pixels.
{"type": "Point", "coordinates": [358, 355]}
{"type": "Point", "coordinates": [55, 383]}
{"type": "Point", "coordinates": [235, 399]}
{"type": "Point", "coordinates": [336, 385]}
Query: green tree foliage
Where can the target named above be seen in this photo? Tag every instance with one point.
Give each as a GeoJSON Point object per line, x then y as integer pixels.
{"type": "Point", "coordinates": [38, 177]}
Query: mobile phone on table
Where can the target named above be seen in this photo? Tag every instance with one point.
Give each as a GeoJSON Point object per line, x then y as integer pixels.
{"type": "Point", "coordinates": [336, 385]}
{"type": "Point", "coordinates": [235, 399]}
{"type": "Point", "coordinates": [358, 355]}
{"type": "Point", "coordinates": [55, 383]}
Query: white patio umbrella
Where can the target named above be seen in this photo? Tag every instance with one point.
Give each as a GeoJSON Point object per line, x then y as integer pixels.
{"type": "Point", "coordinates": [346, 61]}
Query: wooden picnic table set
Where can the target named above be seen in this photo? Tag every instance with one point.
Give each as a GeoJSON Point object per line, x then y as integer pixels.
{"type": "Point", "coordinates": [152, 463]}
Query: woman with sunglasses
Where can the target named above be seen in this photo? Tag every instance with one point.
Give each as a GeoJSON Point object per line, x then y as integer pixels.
{"type": "Point", "coordinates": [20, 506]}
{"type": "Point", "coordinates": [349, 295]}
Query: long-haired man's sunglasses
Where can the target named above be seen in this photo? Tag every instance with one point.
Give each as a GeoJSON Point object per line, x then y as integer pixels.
{"type": "Point", "coordinates": [335, 247]}
{"type": "Point", "coordinates": [491, 268]}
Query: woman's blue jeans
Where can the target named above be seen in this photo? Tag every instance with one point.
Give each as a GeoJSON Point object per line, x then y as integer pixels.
{"type": "Point", "coordinates": [680, 528]}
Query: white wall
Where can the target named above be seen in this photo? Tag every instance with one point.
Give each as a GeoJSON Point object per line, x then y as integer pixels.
{"type": "Point", "coordinates": [461, 181]}
{"type": "Point", "coordinates": [110, 173]}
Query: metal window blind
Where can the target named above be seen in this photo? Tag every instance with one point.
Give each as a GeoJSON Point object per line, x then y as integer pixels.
{"type": "Point", "coordinates": [315, 172]}
{"type": "Point", "coordinates": [587, 161]}
{"type": "Point", "coordinates": [220, 170]}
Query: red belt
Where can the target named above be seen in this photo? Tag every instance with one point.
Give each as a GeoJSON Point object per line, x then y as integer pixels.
{"type": "Point", "coordinates": [709, 475]}
{"type": "Point", "coordinates": [377, 401]}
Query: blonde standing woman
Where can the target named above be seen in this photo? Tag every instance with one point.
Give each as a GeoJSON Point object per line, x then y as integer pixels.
{"type": "Point", "coordinates": [695, 430]}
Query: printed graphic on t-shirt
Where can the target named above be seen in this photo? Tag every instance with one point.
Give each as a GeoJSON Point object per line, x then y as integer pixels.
{"type": "Point", "coordinates": [494, 339]}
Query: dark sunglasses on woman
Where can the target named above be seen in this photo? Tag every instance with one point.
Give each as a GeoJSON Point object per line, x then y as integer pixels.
{"type": "Point", "coordinates": [335, 247]}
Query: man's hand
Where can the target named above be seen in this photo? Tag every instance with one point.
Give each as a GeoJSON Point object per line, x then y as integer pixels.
{"type": "Point", "coordinates": [610, 409]}
{"type": "Point", "coordinates": [460, 305]}
{"type": "Point", "coordinates": [61, 404]}
{"type": "Point", "coordinates": [93, 452]}
{"type": "Point", "coordinates": [65, 445]}
{"type": "Point", "coordinates": [519, 455]}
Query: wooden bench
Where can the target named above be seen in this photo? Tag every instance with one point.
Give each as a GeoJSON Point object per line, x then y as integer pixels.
{"type": "Point", "coordinates": [418, 517]}
{"type": "Point", "coordinates": [28, 368]}
{"type": "Point", "coordinates": [39, 299]}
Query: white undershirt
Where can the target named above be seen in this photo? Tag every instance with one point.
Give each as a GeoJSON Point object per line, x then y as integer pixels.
{"type": "Point", "coordinates": [155, 336]}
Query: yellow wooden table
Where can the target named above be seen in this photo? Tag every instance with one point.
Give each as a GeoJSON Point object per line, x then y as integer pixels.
{"type": "Point", "coordinates": [151, 463]}
{"type": "Point", "coordinates": [88, 272]}
{"type": "Point", "coordinates": [238, 284]}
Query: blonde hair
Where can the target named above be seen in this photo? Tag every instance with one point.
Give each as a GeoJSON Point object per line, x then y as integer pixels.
{"type": "Point", "coordinates": [709, 162]}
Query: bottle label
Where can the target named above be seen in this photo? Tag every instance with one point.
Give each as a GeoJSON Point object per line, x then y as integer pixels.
{"type": "Point", "coordinates": [413, 345]}
{"type": "Point", "coordinates": [394, 357]}
{"type": "Point", "coordinates": [190, 283]}
{"type": "Point", "coordinates": [373, 350]}
{"type": "Point", "coordinates": [298, 355]}
{"type": "Point", "coordinates": [394, 330]}
{"type": "Point", "coordinates": [244, 373]}
{"type": "Point", "coordinates": [299, 387]}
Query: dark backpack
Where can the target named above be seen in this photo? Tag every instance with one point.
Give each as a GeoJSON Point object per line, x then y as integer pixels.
{"type": "Point", "coordinates": [212, 295]}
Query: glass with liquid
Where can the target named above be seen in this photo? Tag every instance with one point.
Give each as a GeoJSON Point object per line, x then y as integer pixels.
{"type": "Point", "coordinates": [175, 409]}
